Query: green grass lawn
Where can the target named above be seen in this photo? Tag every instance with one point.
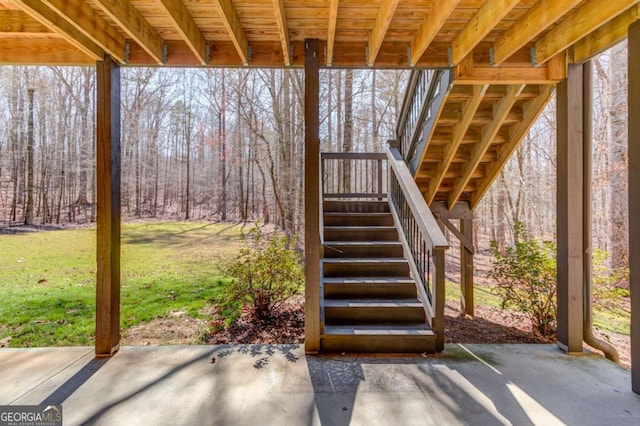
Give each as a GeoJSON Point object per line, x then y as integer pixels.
{"type": "Point", "coordinates": [47, 278]}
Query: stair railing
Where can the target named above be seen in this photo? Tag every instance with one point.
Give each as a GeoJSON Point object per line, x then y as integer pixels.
{"type": "Point", "coordinates": [423, 97]}
{"type": "Point", "coordinates": [353, 175]}
{"type": "Point", "coordinates": [422, 239]}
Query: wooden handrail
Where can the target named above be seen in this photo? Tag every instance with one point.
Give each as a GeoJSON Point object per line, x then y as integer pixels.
{"type": "Point", "coordinates": [353, 175]}
{"type": "Point", "coordinates": [422, 239]}
{"type": "Point", "coordinates": [425, 219]}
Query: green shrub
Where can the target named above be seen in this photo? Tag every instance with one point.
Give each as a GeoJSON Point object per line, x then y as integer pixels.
{"type": "Point", "coordinates": [608, 285]}
{"type": "Point", "coordinates": [526, 279]}
{"type": "Point", "coordinates": [267, 272]}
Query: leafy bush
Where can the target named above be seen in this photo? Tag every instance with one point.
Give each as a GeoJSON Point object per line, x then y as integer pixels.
{"type": "Point", "coordinates": [526, 279]}
{"type": "Point", "coordinates": [267, 272]}
{"type": "Point", "coordinates": [608, 285]}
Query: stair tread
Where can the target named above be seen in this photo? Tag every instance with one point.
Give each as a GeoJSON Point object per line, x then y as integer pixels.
{"type": "Point", "coordinates": [364, 260]}
{"type": "Point", "coordinates": [418, 329]}
{"type": "Point", "coordinates": [333, 213]}
{"type": "Point", "coordinates": [359, 227]}
{"type": "Point", "coordinates": [373, 303]}
{"type": "Point", "coordinates": [368, 280]}
{"type": "Point", "coordinates": [361, 243]}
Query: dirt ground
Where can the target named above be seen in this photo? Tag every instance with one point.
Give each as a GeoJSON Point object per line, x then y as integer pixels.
{"type": "Point", "coordinates": [489, 325]}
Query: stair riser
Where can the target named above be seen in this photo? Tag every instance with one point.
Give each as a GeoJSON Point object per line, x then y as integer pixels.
{"type": "Point", "coordinates": [385, 234]}
{"type": "Point", "coordinates": [366, 270]}
{"type": "Point", "coordinates": [374, 315]}
{"type": "Point", "coordinates": [369, 291]}
{"type": "Point", "coordinates": [379, 344]}
{"type": "Point", "coordinates": [359, 220]}
{"type": "Point", "coordinates": [338, 251]}
{"type": "Point", "coordinates": [356, 206]}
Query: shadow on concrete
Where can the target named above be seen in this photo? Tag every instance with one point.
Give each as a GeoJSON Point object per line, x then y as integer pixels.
{"type": "Point", "coordinates": [398, 390]}
{"type": "Point", "coordinates": [68, 388]}
{"type": "Point", "coordinates": [163, 378]}
{"type": "Point", "coordinates": [261, 353]}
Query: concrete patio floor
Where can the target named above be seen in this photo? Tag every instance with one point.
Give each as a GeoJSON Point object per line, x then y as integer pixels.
{"type": "Point", "coordinates": [279, 385]}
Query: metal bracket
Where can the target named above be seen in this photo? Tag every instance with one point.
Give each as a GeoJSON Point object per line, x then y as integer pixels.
{"type": "Point", "coordinates": [165, 53]}
{"type": "Point", "coordinates": [533, 56]}
{"type": "Point", "coordinates": [248, 54]}
{"type": "Point", "coordinates": [450, 57]}
{"type": "Point", "coordinates": [409, 56]}
{"type": "Point", "coordinates": [207, 53]}
{"type": "Point", "coordinates": [492, 61]}
{"type": "Point", "coordinates": [127, 52]}
{"type": "Point", "coordinates": [290, 54]}
{"type": "Point", "coordinates": [325, 55]}
{"type": "Point", "coordinates": [366, 55]}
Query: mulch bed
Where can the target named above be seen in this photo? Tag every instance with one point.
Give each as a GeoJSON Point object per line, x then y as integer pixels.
{"type": "Point", "coordinates": [490, 325]}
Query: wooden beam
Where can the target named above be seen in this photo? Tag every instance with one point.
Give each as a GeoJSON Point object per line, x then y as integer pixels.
{"type": "Point", "coordinates": [186, 27]}
{"type": "Point", "coordinates": [466, 268]}
{"type": "Point", "coordinates": [331, 32]}
{"type": "Point", "coordinates": [108, 205]}
{"type": "Point", "coordinates": [438, 15]}
{"type": "Point", "coordinates": [45, 51]}
{"type": "Point", "coordinates": [385, 15]}
{"type": "Point", "coordinates": [85, 19]}
{"type": "Point", "coordinates": [234, 28]}
{"type": "Point", "coordinates": [606, 36]}
{"type": "Point", "coordinates": [283, 30]}
{"type": "Point", "coordinates": [541, 16]}
{"type": "Point", "coordinates": [488, 132]}
{"type": "Point", "coordinates": [58, 24]}
{"type": "Point", "coordinates": [531, 111]}
{"type": "Point", "coordinates": [569, 204]}
{"type": "Point", "coordinates": [481, 24]}
{"type": "Point", "coordinates": [590, 16]}
{"type": "Point", "coordinates": [498, 75]}
{"type": "Point", "coordinates": [634, 199]}
{"type": "Point", "coordinates": [125, 15]}
{"type": "Point", "coordinates": [468, 112]}
{"type": "Point", "coordinates": [313, 250]}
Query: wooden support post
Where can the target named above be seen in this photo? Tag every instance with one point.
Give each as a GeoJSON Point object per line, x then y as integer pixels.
{"type": "Point", "coordinates": [569, 204]}
{"type": "Point", "coordinates": [312, 195]}
{"type": "Point", "coordinates": [466, 269]}
{"type": "Point", "coordinates": [108, 208]}
{"type": "Point", "coordinates": [460, 211]}
{"type": "Point", "coordinates": [634, 200]}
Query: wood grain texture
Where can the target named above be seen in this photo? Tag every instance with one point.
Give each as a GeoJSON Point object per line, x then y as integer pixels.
{"type": "Point", "coordinates": [135, 25]}
{"type": "Point", "coordinates": [590, 16]}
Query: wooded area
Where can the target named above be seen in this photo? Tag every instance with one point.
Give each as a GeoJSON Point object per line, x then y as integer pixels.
{"type": "Point", "coordinates": [227, 145]}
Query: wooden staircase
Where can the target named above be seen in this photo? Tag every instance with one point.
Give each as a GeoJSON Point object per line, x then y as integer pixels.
{"type": "Point", "coordinates": [370, 301]}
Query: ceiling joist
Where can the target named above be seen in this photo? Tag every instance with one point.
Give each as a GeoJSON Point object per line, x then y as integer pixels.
{"type": "Point", "coordinates": [590, 16]}
{"type": "Point", "coordinates": [540, 16]}
{"type": "Point", "coordinates": [58, 24]}
{"type": "Point", "coordinates": [488, 132]}
{"type": "Point", "coordinates": [331, 34]}
{"type": "Point", "coordinates": [469, 109]}
{"type": "Point", "coordinates": [606, 36]}
{"type": "Point", "coordinates": [438, 15]}
{"type": "Point", "coordinates": [481, 24]}
{"type": "Point", "coordinates": [86, 20]}
{"type": "Point", "coordinates": [283, 30]}
{"type": "Point", "coordinates": [135, 25]}
{"type": "Point", "coordinates": [234, 28]}
{"type": "Point", "coordinates": [186, 27]}
{"type": "Point", "coordinates": [385, 15]}
{"type": "Point", "coordinates": [532, 110]}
